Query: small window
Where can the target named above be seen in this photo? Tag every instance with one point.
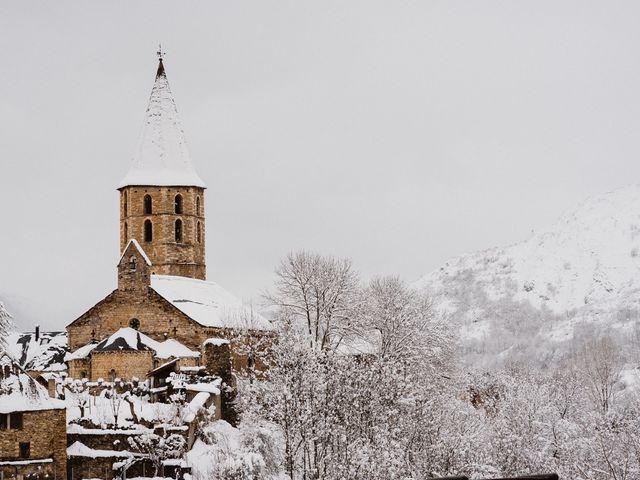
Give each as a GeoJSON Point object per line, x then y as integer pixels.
{"type": "Point", "coordinates": [132, 263]}
{"type": "Point", "coordinates": [125, 203]}
{"type": "Point", "coordinates": [178, 204]}
{"type": "Point", "coordinates": [112, 375]}
{"type": "Point", "coordinates": [198, 206]}
{"type": "Point", "coordinates": [4, 421]}
{"type": "Point", "coordinates": [148, 231]}
{"type": "Point", "coordinates": [83, 374]}
{"type": "Point", "coordinates": [199, 233]}
{"type": "Point", "coordinates": [126, 232]}
{"type": "Point", "coordinates": [178, 231]}
{"type": "Point", "coordinates": [134, 323]}
{"type": "Point", "coordinates": [15, 420]}
{"type": "Point", "coordinates": [148, 205]}
{"type": "Point", "coordinates": [25, 449]}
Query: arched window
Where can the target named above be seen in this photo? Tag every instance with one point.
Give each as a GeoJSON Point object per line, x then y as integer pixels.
{"type": "Point", "coordinates": [199, 233]}
{"type": "Point", "coordinates": [126, 232]}
{"type": "Point", "coordinates": [112, 375]}
{"type": "Point", "coordinates": [125, 205]}
{"type": "Point", "coordinates": [132, 263]}
{"type": "Point", "coordinates": [178, 204]}
{"type": "Point", "coordinates": [178, 231]}
{"type": "Point", "coordinates": [148, 205]}
{"type": "Point", "coordinates": [198, 206]}
{"type": "Point", "coordinates": [148, 231]}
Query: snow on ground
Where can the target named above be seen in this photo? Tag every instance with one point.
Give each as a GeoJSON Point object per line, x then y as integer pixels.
{"type": "Point", "coordinates": [100, 410]}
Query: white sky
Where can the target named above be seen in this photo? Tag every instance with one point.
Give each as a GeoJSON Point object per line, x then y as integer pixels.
{"type": "Point", "coordinates": [395, 133]}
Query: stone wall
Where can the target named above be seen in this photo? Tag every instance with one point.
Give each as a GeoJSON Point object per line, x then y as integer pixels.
{"type": "Point", "coordinates": [158, 318]}
{"type": "Point", "coordinates": [81, 468]}
{"type": "Point", "coordinates": [80, 368]}
{"type": "Point", "coordinates": [126, 364]}
{"type": "Point", "coordinates": [46, 432]}
{"type": "Point", "coordinates": [186, 258]}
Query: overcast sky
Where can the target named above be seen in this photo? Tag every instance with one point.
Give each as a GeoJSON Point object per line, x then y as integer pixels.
{"type": "Point", "coordinates": [399, 134]}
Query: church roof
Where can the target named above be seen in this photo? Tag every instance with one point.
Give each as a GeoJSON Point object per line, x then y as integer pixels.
{"type": "Point", "coordinates": [208, 303]}
{"type": "Point", "coordinates": [162, 157]}
{"type": "Point", "coordinates": [129, 339]}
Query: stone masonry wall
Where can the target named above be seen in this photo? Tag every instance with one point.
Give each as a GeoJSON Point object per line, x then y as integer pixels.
{"type": "Point", "coordinates": [186, 258]}
{"type": "Point", "coordinates": [46, 431]}
{"type": "Point", "coordinates": [158, 319]}
{"type": "Point", "coordinates": [126, 364]}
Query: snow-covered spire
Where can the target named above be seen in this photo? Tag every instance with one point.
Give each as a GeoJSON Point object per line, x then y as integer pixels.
{"type": "Point", "coordinates": [162, 157]}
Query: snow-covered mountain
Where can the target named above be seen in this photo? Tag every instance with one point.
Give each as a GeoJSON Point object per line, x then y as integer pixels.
{"type": "Point", "coordinates": [538, 298]}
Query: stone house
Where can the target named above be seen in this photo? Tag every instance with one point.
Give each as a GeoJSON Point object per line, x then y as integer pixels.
{"type": "Point", "coordinates": [33, 437]}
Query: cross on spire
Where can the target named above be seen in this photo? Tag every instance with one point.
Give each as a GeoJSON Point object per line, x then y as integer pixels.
{"type": "Point", "coordinates": [160, 53]}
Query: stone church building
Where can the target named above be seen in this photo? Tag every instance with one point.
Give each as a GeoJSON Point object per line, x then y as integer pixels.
{"type": "Point", "coordinates": [162, 291]}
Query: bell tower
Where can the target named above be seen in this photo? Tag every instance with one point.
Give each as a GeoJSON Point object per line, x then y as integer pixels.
{"type": "Point", "coordinates": [162, 196]}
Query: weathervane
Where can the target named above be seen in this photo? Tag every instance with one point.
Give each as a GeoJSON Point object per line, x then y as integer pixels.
{"type": "Point", "coordinates": [160, 53]}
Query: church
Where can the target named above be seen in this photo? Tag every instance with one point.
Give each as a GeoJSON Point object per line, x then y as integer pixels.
{"type": "Point", "coordinates": [163, 309]}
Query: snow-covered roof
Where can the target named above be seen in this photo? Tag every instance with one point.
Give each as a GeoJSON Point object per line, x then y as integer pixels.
{"type": "Point", "coordinates": [124, 339]}
{"type": "Point", "coordinates": [211, 387]}
{"type": "Point", "coordinates": [216, 342]}
{"type": "Point", "coordinates": [208, 303]}
{"type": "Point", "coordinates": [139, 248]}
{"type": "Point", "coordinates": [78, 449]}
{"type": "Point", "coordinates": [46, 353]}
{"type": "Point", "coordinates": [162, 157]}
{"type": "Point", "coordinates": [21, 393]}
{"type": "Point", "coordinates": [80, 353]}
{"type": "Point", "coordinates": [129, 339]}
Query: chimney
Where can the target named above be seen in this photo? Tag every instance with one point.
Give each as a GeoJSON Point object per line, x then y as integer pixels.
{"type": "Point", "coordinates": [37, 332]}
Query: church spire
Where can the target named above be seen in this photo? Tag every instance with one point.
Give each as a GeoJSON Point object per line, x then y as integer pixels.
{"type": "Point", "coordinates": [162, 157]}
{"type": "Point", "coordinates": [160, 54]}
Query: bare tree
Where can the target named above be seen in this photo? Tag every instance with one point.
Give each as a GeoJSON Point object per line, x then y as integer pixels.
{"type": "Point", "coordinates": [316, 294]}
{"type": "Point", "coordinates": [601, 364]}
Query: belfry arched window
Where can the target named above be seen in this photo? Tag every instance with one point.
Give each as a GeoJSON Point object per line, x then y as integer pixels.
{"type": "Point", "coordinates": [199, 233]}
{"type": "Point", "coordinates": [178, 231]}
{"type": "Point", "coordinates": [198, 206]}
{"type": "Point", "coordinates": [148, 231]}
{"type": "Point", "coordinates": [148, 205]}
{"type": "Point", "coordinates": [125, 204]}
{"type": "Point", "coordinates": [126, 232]}
{"type": "Point", "coordinates": [178, 204]}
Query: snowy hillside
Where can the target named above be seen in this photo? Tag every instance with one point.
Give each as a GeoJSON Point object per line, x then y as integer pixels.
{"type": "Point", "coordinates": [580, 277]}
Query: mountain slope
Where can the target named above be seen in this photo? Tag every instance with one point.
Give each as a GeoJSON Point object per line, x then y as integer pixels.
{"type": "Point", "coordinates": [538, 298]}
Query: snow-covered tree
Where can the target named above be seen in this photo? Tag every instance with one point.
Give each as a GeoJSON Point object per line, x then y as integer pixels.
{"type": "Point", "coordinates": [157, 448]}
{"type": "Point", "coordinates": [5, 326]}
{"type": "Point", "coordinates": [316, 294]}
